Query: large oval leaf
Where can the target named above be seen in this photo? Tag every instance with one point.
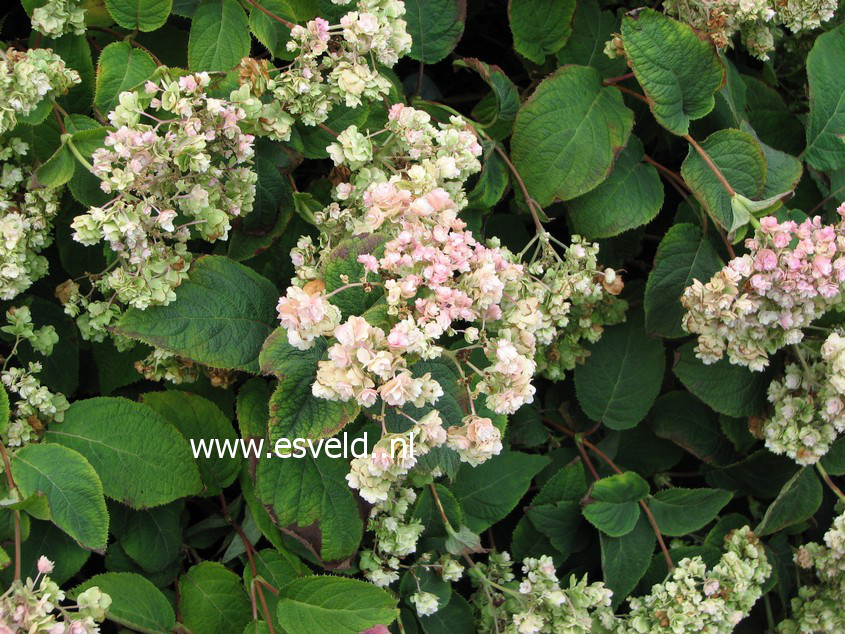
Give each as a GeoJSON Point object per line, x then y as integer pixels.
{"type": "Point", "coordinates": [136, 603]}
{"type": "Point", "coordinates": [143, 15]}
{"type": "Point", "coordinates": [334, 605]}
{"type": "Point", "coordinates": [568, 133]}
{"type": "Point", "coordinates": [678, 71]}
{"type": "Point", "coordinates": [221, 316]}
{"type": "Point", "coordinates": [120, 67]}
{"type": "Point", "coordinates": [598, 214]}
{"type": "Point", "coordinates": [622, 376]}
{"type": "Point", "coordinates": [684, 254]}
{"type": "Point", "coordinates": [212, 600]}
{"type": "Point", "coordinates": [114, 436]}
{"type": "Point", "coordinates": [219, 36]}
{"type": "Point", "coordinates": [826, 74]}
{"type": "Point", "coordinates": [73, 490]}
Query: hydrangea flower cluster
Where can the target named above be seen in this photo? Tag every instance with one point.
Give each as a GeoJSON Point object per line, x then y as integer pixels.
{"type": "Point", "coordinates": [163, 365]}
{"type": "Point", "coordinates": [36, 405]}
{"type": "Point", "coordinates": [577, 299]}
{"type": "Point", "coordinates": [400, 207]}
{"type": "Point", "coordinates": [26, 216]}
{"type": "Point", "coordinates": [34, 606]}
{"type": "Point", "coordinates": [755, 20]}
{"type": "Point", "coordinates": [695, 599]}
{"type": "Point", "coordinates": [538, 603]}
{"type": "Point", "coordinates": [808, 403]}
{"type": "Point", "coordinates": [183, 172]}
{"type": "Point", "coordinates": [818, 607]}
{"type": "Point", "coordinates": [396, 535]}
{"type": "Point", "coordinates": [393, 456]}
{"type": "Point", "coordinates": [58, 17]}
{"type": "Point", "coordinates": [27, 78]}
{"type": "Point", "coordinates": [760, 301]}
{"type": "Point", "coordinates": [333, 64]}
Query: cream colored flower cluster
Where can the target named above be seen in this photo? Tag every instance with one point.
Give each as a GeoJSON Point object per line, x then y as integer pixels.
{"type": "Point", "coordinates": [818, 606]}
{"type": "Point", "coordinates": [761, 301]}
{"type": "Point", "coordinates": [35, 607]}
{"type": "Point", "coordinates": [756, 21]}
{"type": "Point", "coordinates": [27, 211]}
{"type": "Point", "coordinates": [809, 410]}
{"type": "Point", "coordinates": [27, 78]}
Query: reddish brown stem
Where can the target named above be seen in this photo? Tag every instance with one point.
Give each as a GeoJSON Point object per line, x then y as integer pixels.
{"type": "Point", "coordinates": [614, 80]}
{"type": "Point", "coordinates": [528, 200]}
{"type": "Point", "coordinates": [7, 467]}
{"type": "Point", "coordinates": [633, 93]}
{"type": "Point", "coordinates": [713, 167]}
{"type": "Point", "coordinates": [255, 587]}
{"type": "Point", "coordinates": [323, 126]}
{"type": "Point", "coordinates": [271, 15]}
{"type": "Point", "coordinates": [579, 440]}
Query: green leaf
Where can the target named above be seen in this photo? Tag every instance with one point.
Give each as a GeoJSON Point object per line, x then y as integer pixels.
{"type": "Point", "coordinates": [598, 214]}
{"type": "Point", "coordinates": [682, 511]}
{"type": "Point", "coordinates": [221, 316]}
{"type": "Point", "coordinates": [311, 500]}
{"type": "Point", "coordinates": [276, 568]}
{"type": "Point", "coordinates": [136, 603]}
{"type": "Point", "coordinates": [540, 27]}
{"type": "Point", "coordinates": [558, 521]}
{"type": "Point", "coordinates": [333, 605]}
{"type": "Point", "coordinates": [826, 75]}
{"type": "Point", "coordinates": [76, 53]}
{"type": "Point", "coordinates": [834, 460]}
{"type": "Point", "coordinates": [621, 378]}
{"type": "Point", "coordinates": [144, 15]}
{"type": "Point", "coordinates": [798, 500]}
{"type": "Point", "coordinates": [58, 169]}
{"type": "Point", "coordinates": [294, 411]}
{"type": "Point", "coordinates": [567, 135]}
{"type": "Point", "coordinates": [60, 370]}
{"type": "Point", "coordinates": [678, 71]}
{"type": "Point", "coordinates": [272, 33]}
{"type": "Point", "coordinates": [84, 185]}
{"type": "Point", "coordinates": [252, 408]}
{"type": "Point", "coordinates": [219, 36]}
{"type": "Point", "coordinates": [151, 537]}
{"type": "Point", "coordinates": [427, 511]}
{"type": "Point", "coordinates": [615, 509]}
{"type": "Point", "coordinates": [680, 417]}
{"type": "Point", "coordinates": [624, 560]}
{"type": "Point", "coordinates": [761, 475]}
{"type": "Point", "coordinates": [771, 117]}
{"type": "Point", "coordinates": [212, 600]}
{"type": "Point", "coordinates": [684, 254]}
{"type": "Point", "coordinates": [499, 121]}
{"type": "Point", "coordinates": [492, 182]}
{"type": "Point", "coordinates": [73, 490]}
{"type": "Point", "coordinates": [740, 158]}
{"type": "Point", "coordinates": [435, 27]}
{"type": "Point", "coordinates": [114, 436]}
{"type": "Point", "coordinates": [121, 67]}
{"type": "Point", "coordinates": [197, 419]}
{"type": "Point", "coordinates": [591, 29]}
{"type": "Point", "coordinates": [730, 389]}
{"type": "Point", "coordinates": [490, 491]}
{"type": "Point", "coordinates": [342, 267]}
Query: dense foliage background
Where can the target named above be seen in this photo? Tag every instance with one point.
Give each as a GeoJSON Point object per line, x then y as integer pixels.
{"type": "Point", "coordinates": [662, 134]}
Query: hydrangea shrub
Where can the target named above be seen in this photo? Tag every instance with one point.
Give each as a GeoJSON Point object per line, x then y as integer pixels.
{"type": "Point", "coordinates": [370, 316]}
